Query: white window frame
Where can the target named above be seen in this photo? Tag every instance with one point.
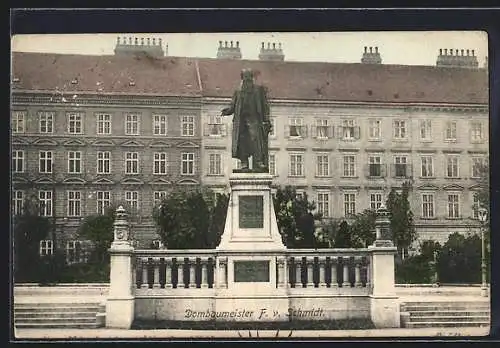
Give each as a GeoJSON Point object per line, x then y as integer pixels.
{"type": "Point", "coordinates": [349, 127]}
{"type": "Point", "coordinates": [103, 199]}
{"type": "Point", "coordinates": [45, 162]}
{"type": "Point", "coordinates": [400, 129]}
{"type": "Point", "coordinates": [74, 161]}
{"type": "Point", "coordinates": [46, 122]}
{"type": "Point", "coordinates": [375, 160]}
{"type": "Point", "coordinates": [349, 202]}
{"type": "Point", "coordinates": [376, 200]}
{"type": "Point", "coordinates": [455, 167]}
{"type": "Point", "coordinates": [160, 161]}
{"type": "Point", "coordinates": [323, 128]}
{"type": "Point", "coordinates": [427, 165]}
{"type": "Point", "coordinates": [46, 197]}
{"type": "Point", "coordinates": [18, 160]}
{"type": "Point", "coordinates": [453, 207]}
{"type": "Point", "coordinates": [428, 205]}
{"type": "Point", "coordinates": [215, 166]}
{"type": "Point", "coordinates": [18, 121]}
{"type": "Point", "coordinates": [75, 122]}
{"type": "Point", "coordinates": [296, 164]}
{"type": "Point", "coordinates": [450, 133]}
{"type": "Point", "coordinates": [425, 127]}
{"type": "Point", "coordinates": [132, 123]}
{"type": "Point", "coordinates": [273, 160]}
{"type": "Point", "coordinates": [132, 200]}
{"type": "Point", "coordinates": [374, 129]}
{"type": "Point", "coordinates": [479, 161]}
{"type": "Point", "coordinates": [160, 124]}
{"type": "Point", "coordinates": [476, 132]}
{"type": "Point", "coordinates": [349, 167]}
{"type": "Point", "coordinates": [272, 120]}
{"type": "Point", "coordinates": [104, 123]}
{"type": "Point", "coordinates": [298, 125]}
{"type": "Point", "coordinates": [103, 158]}
{"type": "Point", "coordinates": [476, 205]}
{"type": "Point", "coordinates": [322, 205]}
{"type": "Point", "coordinates": [46, 247]}
{"type": "Point", "coordinates": [188, 163]}
{"type": "Point", "coordinates": [398, 160]}
{"type": "Point", "coordinates": [131, 163]}
{"type": "Point", "coordinates": [322, 167]}
{"type": "Point", "coordinates": [158, 197]}
{"type": "Point", "coordinates": [74, 199]}
{"type": "Point", "coordinates": [18, 201]}
{"type": "Point", "coordinates": [72, 255]}
{"type": "Point", "coordinates": [187, 126]}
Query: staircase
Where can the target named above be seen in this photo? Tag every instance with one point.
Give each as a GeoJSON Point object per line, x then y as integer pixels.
{"type": "Point", "coordinates": [445, 314]}
{"type": "Point", "coordinates": [59, 315]}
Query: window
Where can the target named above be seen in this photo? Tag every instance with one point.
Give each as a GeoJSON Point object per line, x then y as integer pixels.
{"type": "Point", "coordinates": [187, 166]}
{"type": "Point", "coordinates": [452, 166]}
{"type": "Point", "coordinates": [296, 129]}
{"type": "Point", "coordinates": [160, 163]}
{"type": "Point", "coordinates": [46, 122]}
{"type": "Point", "coordinates": [18, 119]}
{"type": "Point", "coordinates": [427, 168]}
{"type": "Point", "coordinates": [272, 164]}
{"type": "Point", "coordinates": [427, 205]}
{"type": "Point", "coordinates": [374, 166]}
{"type": "Point", "coordinates": [74, 252]}
{"type": "Point", "coordinates": [400, 129]}
{"type": "Point", "coordinates": [451, 131]}
{"type": "Point", "coordinates": [349, 204]}
{"type": "Point", "coordinates": [476, 129]}
{"type": "Point", "coordinates": [322, 165]}
{"type": "Point", "coordinates": [215, 164]}
{"type": "Point", "coordinates": [215, 127]}
{"type": "Point", "coordinates": [425, 130]}
{"type": "Point", "coordinates": [453, 206]}
{"type": "Point", "coordinates": [45, 162]}
{"type": "Point", "coordinates": [160, 124]}
{"type": "Point", "coordinates": [18, 202]}
{"type": "Point", "coordinates": [103, 162]}
{"type": "Point", "coordinates": [158, 197]}
{"type": "Point", "coordinates": [401, 166]}
{"type": "Point", "coordinates": [349, 130]}
{"type": "Point", "coordinates": [74, 162]}
{"type": "Point", "coordinates": [323, 130]}
{"type": "Point", "coordinates": [375, 201]}
{"type": "Point", "coordinates": [475, 206]}
{"type": "Point", "coordinates": [132, 199]}
{"type": "Point", "coordinates": [131, 162]}
{"type": "Point", "coordinates": [46, 248]}
{"type": "Point", "coordinates": [187, 126]}
{"type": "Point", "coordinates": [103, 201]}
{"type": "Point", "coordinates": [74, 203]}
{"type": "Point", "coordinates": [45, 198]}
{"type": "Point", "coordinates": [273, 126]}
{"type": "Point", "coordinates": [375, 129]}
{"type": "Point", "coordinates": [18, 161]}
{"type": "Point", "coordinates": [296, 165]}
{"type": "Point", "coordinates": [349, 166]}
{"type": "Point", "coordinates": [323, 199]}
{"type": "Point", "coordinates": [75, 123]}
{"type": "Point", "coordinates": [103, 124]}
{"type": "Point", "coordinates": [132, 124]}
{"type": "Point", "coordinates": [478, 164]}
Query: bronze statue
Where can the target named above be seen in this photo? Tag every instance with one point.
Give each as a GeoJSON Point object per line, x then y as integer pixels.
{"type": "Point", "coordinates": [251, 125]}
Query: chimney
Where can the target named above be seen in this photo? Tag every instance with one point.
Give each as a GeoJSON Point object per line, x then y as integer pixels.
{"type": "Point", "coordinates": [458, 58]}
{"type": "Point", "coordinates": [230, 51]}
{"type": "Point", "coordinates": [132, 47]}
{"type": "Point", "coordinates": [272, 52]}
{"type": "Point", "coordinates": [371, 55]}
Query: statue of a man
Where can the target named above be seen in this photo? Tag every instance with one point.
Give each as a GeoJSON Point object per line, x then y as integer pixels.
{"type": "Point", "coordinates": [251, 124]}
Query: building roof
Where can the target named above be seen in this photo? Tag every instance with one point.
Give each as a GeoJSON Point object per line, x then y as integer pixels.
{"type": "Point", "coordinates": [220, 77]}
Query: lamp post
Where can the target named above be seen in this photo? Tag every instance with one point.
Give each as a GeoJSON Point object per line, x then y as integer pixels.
{"type": "Point", "coordinates": [483, 215]}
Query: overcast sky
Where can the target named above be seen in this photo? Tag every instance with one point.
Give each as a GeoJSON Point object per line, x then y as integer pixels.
{"type": "Point", "coordinates": [407, 48]}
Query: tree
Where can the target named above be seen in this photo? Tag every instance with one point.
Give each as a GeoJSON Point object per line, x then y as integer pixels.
{"type": "Point", "coordinates": [295, 218]}
{"type": "Point", "coordinates": [401, 216]}
{"type": "Point", "coordinates": [29, 229]}
{"type": "Point", "coordinates": [483, 197]}
{"type": "Point", "coordinates": [218, 213]}
{"type": "Point", "coordinates": [343, 236]}
{"type": "Point", "coordinates": [363, 229]}
{"type": "Point", "coordinates": [99, 230]}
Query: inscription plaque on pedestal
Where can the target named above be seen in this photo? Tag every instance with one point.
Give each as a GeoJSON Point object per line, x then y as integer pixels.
{"type": "Point", "coordinates": [251, 271]}
{"type": "Point", "coordinates": [251, 211]}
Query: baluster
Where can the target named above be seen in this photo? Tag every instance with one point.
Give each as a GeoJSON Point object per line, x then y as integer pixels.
{"type": "Point", "coordinates": [298, 273]}
{"type": "Point", "coordinates": [156, 273]}
{"type": "Point", "coordinates": [310, 272]}
{"type": "Point", "coordinates": [368, 273]}
{"type": "Point", "coordinates": [334, 283]}
{"type": "Point", "coordinates": [180, 273]}
{"type": "Point", "coordinates": [222, 273]}
{"type": "Point", "coordinates": [281, 261]}
{"type": "Point", "coordinates": [357, 272]}
{"type": "Point", "coordinates": [289, 270]}
{"type": "Point", "coordinates": [345, 261]}
{"type": "Point", "coordinates": [144, 266]}
{"type": "Point", "coordinates": [322, 272]}
{"type": "Point", "coordinates": [192, 272]}
{"type": "Point", "coordinates": [168, 273]}
{"type": "Point", "coordinates": [204, 272]}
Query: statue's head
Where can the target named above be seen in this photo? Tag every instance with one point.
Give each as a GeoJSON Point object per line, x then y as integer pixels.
{"type": "Point", "coordinates": [247, 76]}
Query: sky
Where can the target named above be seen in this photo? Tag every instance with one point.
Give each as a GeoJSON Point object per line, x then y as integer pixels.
{"type": "Point", "coordinates": [405, 48]}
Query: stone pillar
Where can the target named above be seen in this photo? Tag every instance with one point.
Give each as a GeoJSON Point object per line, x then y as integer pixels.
{"type": "Point", "coordinates": [156, 273]}
{"type": "Point", "coordinates": [298, 271]}
{"type": "Point", "coordinates": [120, 301]}
{"type": "Point", "coordinates": [334, 283]}
{"type": "Point", "coordinates": [204, 272]}
{"type": "Point", "coordinates": [345, 273]}
{"type": "Point", "coordinates": [192, 273]}
{"type": "Point", "coordinates": [322, 271]}
{"type": "Point", "coordinates": [357, 272]}
{"type": "Point", "coordinates": [384, 302]}
{"type": "Point", "coordinates": [168, 273]}
{"type": "Point", "coordinates": [310, 272]}
{"type": "Point", "coordinates": [180, 273]}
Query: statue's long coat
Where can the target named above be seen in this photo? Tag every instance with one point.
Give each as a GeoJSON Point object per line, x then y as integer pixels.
{"type": "Point", "coordinates": [259, 96]}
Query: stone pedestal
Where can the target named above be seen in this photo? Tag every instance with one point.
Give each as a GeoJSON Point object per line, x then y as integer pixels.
{"type": "Point", "coordinates": [249, 252]}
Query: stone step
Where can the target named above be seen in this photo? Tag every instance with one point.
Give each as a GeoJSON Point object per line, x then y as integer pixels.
{"type": "Point", "coordinates": [56, 305]}
{"type": "Point", "coordinates": [56, 320]}
{"type": "Point", "coordinates": [448, 319]}
{"type": "Point", "coordinates": [53, 314]}
{"type": "Point", "coordinates": [67, 325]}
{"type": "Point", "coordinates": [447, 324]}
{"type": "Point", "coordinates": [450, 307]}
{"type": "Point", "coordinates": [449, 313]}
{"type": "Point", "coordinates": [88, 309]}
{"type": "Point", "coordinates": [447, 303]}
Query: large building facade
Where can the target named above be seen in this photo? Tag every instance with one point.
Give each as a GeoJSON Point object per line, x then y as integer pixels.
{"type": "Point", "coordinates": [91, 131]}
